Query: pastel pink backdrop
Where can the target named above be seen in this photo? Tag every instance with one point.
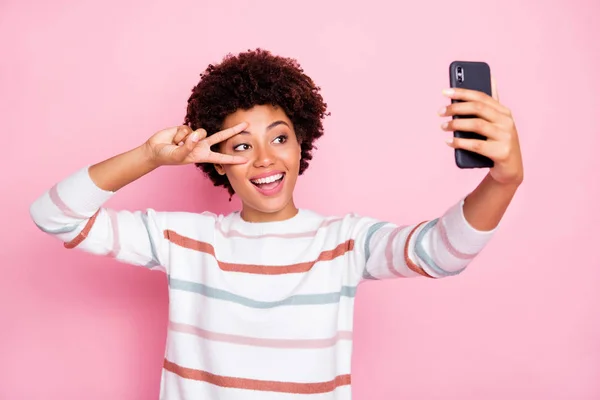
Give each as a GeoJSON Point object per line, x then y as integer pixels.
{"type": "Point", "coordinates": [81, 81]}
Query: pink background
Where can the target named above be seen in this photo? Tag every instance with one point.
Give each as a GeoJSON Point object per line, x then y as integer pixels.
{"type": "Point", "coordinates": [82, 80]}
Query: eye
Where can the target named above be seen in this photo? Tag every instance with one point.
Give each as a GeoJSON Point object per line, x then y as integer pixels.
{"type": "Point", "coordinates": [281, 139]}
{"type": "Point", "coordinates": [241, 147]}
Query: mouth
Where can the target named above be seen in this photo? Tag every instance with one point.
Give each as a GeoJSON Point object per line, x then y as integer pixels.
{"type": "Point", "coordinates": [269, 185]}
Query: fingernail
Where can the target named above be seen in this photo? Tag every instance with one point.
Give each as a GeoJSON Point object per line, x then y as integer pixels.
{"type": "Point", "coordinates": [444, 125]}
{"type": "Point", "coordinates": [449, 141]}
{"type": "Point", "coordinates": [448, 92]}
{"type": "Point", "coordinates": [195, 137]}
{"type": "Point", "coordinates": [180, 144]}
{"type": "Point", "coordinates": [442, 111]}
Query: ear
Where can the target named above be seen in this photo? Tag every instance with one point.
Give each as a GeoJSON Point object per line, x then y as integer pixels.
{"type": "Point", "coordinates": [220, 169]}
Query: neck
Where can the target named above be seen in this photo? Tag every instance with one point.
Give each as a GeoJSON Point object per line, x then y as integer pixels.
{"type": "Point", "coordinates": [250, 214]}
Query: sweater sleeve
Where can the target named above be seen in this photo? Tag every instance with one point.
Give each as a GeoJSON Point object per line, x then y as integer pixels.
{"type": "Point", "coordinates": [72, 212]}
{"type": "Point", "coordinates": [437, 248]}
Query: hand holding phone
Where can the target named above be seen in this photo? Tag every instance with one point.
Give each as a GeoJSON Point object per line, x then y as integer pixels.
{"type": "Point", "coordinates": [485, 134]}
{"type": "Point", "coordinates": [472, 75]}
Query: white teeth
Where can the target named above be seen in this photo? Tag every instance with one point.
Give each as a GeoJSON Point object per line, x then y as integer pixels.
{"type": "Point", "coordinates": [268, 179]}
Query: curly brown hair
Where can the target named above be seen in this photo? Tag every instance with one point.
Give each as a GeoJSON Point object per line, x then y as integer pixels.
{"type": "Point", "coordinates": [251, 78]}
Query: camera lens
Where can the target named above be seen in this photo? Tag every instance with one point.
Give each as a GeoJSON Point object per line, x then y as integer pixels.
{"type": "Point", "coordinates": [459, 74]}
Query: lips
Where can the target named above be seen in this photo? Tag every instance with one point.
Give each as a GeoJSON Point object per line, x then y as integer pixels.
{"type": "Point", "coordinates": [266, 174]}
{"type": "Point", "coordinates": [267, 179]}
{"type": "Point", "coordinates": [269, 183]}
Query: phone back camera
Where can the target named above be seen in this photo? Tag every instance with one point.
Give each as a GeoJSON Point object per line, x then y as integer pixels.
{"type": "Point", "coordinates": [460, 74]}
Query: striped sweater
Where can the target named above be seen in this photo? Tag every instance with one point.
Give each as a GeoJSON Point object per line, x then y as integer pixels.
{"type": "Point", "coordinates": [257, 310]}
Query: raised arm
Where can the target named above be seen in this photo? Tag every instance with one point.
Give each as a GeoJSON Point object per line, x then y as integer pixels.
{"type": "Point", "coordinates": [72, 209]}
{"type": "Point", "coordinates": [446, 245]}
{"type": "Point", "coordinates": [486, 205]}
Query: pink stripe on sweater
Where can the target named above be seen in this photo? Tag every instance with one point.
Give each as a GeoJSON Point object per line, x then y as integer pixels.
{"type": "Point", "coordinates": [261, 342]}
{"type": "Point", "coordinates": [54, 196]}
{"type": "Point", "coordinates": [205, 247]}
{"type": "Point", "coordinates": [444, 235]}
{"type": "Point", "coordinates": [234, 233]}
{"type": "Point", "coordinates": [389, 251]}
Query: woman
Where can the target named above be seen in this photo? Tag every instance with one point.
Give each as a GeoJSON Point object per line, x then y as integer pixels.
{"type": "Point", "coordinates": [261, 300]}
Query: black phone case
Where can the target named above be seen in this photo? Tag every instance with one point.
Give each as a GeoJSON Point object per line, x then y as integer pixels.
{"type": "Point", "coordinates": [476, 76]}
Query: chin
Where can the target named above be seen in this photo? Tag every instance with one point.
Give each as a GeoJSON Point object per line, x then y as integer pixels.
{"type": "Point", "coordinates": [267, 202]}
{"type": "Point", "coordinates": [272, 206]}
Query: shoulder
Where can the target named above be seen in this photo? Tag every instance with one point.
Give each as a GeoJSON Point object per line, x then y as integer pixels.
{"type": "Point", "coordinates": [197, 225]}
{"type": "Point", "coordinates": [348, 224]}
{"type": "Point", "coordinates": [187, 217]}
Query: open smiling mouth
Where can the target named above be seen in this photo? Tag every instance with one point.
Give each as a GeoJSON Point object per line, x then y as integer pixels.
{"type": "Point", "coordinates": [269, 185]}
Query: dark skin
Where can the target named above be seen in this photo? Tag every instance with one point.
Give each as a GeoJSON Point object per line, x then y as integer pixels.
{"type": "Point", "coordinates": [483, 208]}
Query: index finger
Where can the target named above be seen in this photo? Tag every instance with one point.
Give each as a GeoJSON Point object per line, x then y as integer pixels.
{"type": "Point", "coordinates": [220, 158]}
{"type": "Point", "coordinates": [225, 134]}
{"type": "Point", "coordinates": [475, 95]}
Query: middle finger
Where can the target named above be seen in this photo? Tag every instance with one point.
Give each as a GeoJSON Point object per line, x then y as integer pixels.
{"type": "Point", "coordinates": [226, 134]}
{"type": "Point", "coordinates": [474, 108]}
{"type": "Point", "coordinates": [475, 95]}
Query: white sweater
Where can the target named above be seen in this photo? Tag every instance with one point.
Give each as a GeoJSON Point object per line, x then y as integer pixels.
{"type": "Point", "coordinates": [257, 310]}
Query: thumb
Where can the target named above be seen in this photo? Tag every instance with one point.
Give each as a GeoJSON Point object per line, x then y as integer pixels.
{"type": "Point", "coordinates": [495, 95]}
{"type": "Point", "coordinates": [183, 150]}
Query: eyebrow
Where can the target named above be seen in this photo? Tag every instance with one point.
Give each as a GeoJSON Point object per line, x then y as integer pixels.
{"type": "Point", "coordinates": [271, 126]}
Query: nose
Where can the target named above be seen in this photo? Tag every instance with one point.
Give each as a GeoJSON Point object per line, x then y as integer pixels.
{"type": "Point", "coordinates": [264, 157]}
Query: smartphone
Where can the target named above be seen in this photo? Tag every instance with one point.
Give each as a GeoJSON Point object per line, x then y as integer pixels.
{"type": "Point", "coordinates": [473, 75]}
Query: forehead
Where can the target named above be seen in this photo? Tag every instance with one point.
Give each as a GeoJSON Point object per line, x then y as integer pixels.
{"type": "Point", "coordinates": [258, 117]}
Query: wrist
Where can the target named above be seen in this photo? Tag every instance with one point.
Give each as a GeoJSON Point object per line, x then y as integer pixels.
{"type": "Point", "coordinates": [148, 156]}
{"type": "Point", "coordinates": [510, 184]}
{"type": "Point", "coordinates": [497, 189]}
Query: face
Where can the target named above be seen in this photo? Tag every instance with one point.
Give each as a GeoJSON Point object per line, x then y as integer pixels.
{"type": "Point", "coordinates": [265, 183]}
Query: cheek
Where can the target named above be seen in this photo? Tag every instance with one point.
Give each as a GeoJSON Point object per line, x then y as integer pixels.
{"type": "Point", "coordinates": [293, 159]}
{"type": "Point", "coordinates": [235, 173]}
{"type": "Point", "coordinates": [294, 152]}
